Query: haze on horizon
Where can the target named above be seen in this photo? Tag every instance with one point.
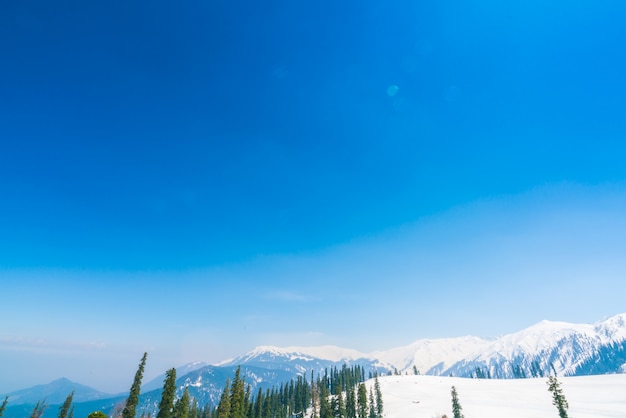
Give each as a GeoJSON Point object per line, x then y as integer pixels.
{"type": "Point", "coordinates": [196, 180]}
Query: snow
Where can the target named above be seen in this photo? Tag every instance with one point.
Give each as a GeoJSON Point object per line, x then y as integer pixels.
{"type": "Point", "coordinates": [552, 345]}
{"type": "Point", "coordinates": [428, 353]}
{"type": "Point", "coordinates": [325, 352]}
{"type": "Point", "coordinates": [429, 396]}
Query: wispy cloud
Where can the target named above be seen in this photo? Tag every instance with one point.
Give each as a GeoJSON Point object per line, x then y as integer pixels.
{"type": "Point", "coordinates": [19, 343]}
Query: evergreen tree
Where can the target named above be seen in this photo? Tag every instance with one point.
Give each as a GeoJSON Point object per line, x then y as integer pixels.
{"type": "Point", "coordinates": [456, 406]}
{"type": "Point", "coordinates": [223, 409]}
{"type": "Point", "coordinates": [325, 409]}
{"type": "Point", "coordinates": [361, 401]}
{"type": "Point", "coordinates": [38, 409]}
{"type": "Point", "coordinates": [3, 407]}
{"type": "Point", "coordinates": [71, 415]}
{"type": "Point", "coordinates": [97, 414]}
{"type": "Point", "coordinates": [379, 398]}
{"type": "Point", "coordinates": [166, 406]}
{"type": "Point", "coordinates": [248, 402]}
{"type": "Point", "coordinates": [337, 405]}
{"type": "Point", "coordinates": [267, 405]}
{"type": "Point", "coordinates": [558, 399]}
{"type": "Point", "coordinates": [65, 408]}
{"type": "Point", "coordinates": [258, 404]}
{"type": "Point", "coordinates": [133, 398]}
{"type": "Point", "coordinates": [351, 402]}
{"type": "Point", "coordinates": [181, 407]}
{"type": "Point", "coordinates": [372, 402]}
{"type": "Point", "coordinates": [237, 397]}
{"type": "Point", "coordinates": [314, 398]}
{"type": "Point", "coordinates": [193, 410]}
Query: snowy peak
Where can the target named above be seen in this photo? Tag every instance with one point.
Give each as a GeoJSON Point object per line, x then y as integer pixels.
{"type": "Point", "coordinates": [427, 354]}
{"type": "Point", "coordinates": [304, 360]}
{"type": "Point", "coordinates": [613, 328]}
{"type": "Point", "coordinates": [331, 353]}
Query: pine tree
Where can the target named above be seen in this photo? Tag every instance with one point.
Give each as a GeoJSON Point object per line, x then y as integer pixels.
{"type": "Point", "coordinates": [133, 398]}
{"type": "Point", "coordinates": [38, 409]}
{"type": "Point", "coordinates": [456, 406]}
{"type": "Point", "coordinates": [248, 402]}
{"type": "Point", "coordinates": [166, 406]}
{"type": "Point", "coordinates": [223, 409]}
{"type": "Point", "coordinates": [237, 396]}
{"type": "Point", "coordinates": [372, 402]}
{"type": "Point", "coordinates": [181, 408]}
{"type": "Point", "coordinates": [3, 407]}
{"type": "Point", "coordinates": [194, 410]}
{"type": "Point", "coordinates": [314, 398]}
{"type": "Point", "coordinates": [325, 409]}
{"type": "Point", "coordinates": [379, 398]}
{"type": "Point", "coordinates": [351, 402]}
{"type": "Point", "coordinates": [558, 399]}
{"type": "Point", "coordinates": [71, 415]}
{"type": "Point", "coordinates": [65, 408]}
{"type": "Point", "coordinates": [361, 401]}
{"type": "Point", "coordinates": [337, 405]}
{"type": "Point", "coordinates": [258, 404]}
{"type": "Point", "coordinates": [97, 414]}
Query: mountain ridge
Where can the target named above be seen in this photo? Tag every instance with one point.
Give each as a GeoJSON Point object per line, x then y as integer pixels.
{"type": "Point", "coordinates": [567, 349]}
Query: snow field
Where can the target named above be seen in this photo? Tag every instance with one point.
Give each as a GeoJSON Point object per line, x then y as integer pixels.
{"type": "Point", "coordinates": [413, 396]}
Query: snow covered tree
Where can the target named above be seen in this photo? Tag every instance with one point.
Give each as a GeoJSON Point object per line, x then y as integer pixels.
{"type": "Point", "coordinates": [166, 406]}
{"type": "Point", "coordinates": [456, 406]}
{"type": "Point", "coordinates": [558, 399]}
{"type": "Point", "coordinates": [133, 398]}
{"type": "Point", "coordinates": [65, 408]}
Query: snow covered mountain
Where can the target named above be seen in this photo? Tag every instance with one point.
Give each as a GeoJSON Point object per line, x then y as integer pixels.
{"type": "Point", "coordinates": [561, 347]}
{"type": "Point", "coordinates": [157, 382]}
{"type": "Point", "coordinates": [567, 349]}
{"type": "Point", "coordinates": [546, 347]}
{"type": "Point", "coordinates": [304, 360]}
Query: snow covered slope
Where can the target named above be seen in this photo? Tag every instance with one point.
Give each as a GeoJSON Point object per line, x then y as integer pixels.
{"type": "Point", "coordinates": [429, 396]}
{"type": "Point", "coordinates": [431, 356]}
{"type": "Point", "coordinates": [549, 346]}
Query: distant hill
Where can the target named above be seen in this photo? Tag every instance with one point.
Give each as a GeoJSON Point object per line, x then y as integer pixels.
{"type": "Point", "coordinates": [55, 392]}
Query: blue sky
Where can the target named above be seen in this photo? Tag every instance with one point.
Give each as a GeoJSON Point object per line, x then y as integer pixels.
{"type": "Point", "coordinates": [196, 180]}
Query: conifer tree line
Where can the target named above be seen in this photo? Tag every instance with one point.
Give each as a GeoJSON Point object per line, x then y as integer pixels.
{"type": "Point", "coordinates": [338, 393]}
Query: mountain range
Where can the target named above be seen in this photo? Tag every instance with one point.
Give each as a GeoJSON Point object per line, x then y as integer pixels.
{"type": "Point", "coordinates": [547, 347]}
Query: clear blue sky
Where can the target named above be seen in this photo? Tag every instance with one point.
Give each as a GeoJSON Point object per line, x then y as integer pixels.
{"type": "Point", "coordinates": [194, 180]}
